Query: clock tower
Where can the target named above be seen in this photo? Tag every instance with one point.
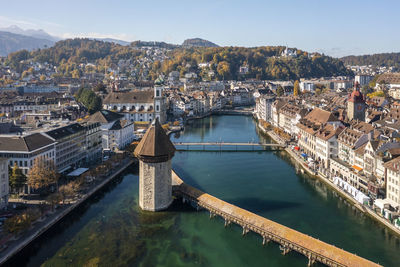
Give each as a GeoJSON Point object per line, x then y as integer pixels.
{"type": "Point", "coordinates": [356, 104]}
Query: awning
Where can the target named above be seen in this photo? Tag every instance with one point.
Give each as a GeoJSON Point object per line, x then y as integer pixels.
{"type": "Point", "coordinates": [304, 155]}
{"type": "Point", "coordinates": [356, 168]}
{"type": "Point", "coordinates": [77, 172]}
{"type": "Point", "coordinates": [297, 148]}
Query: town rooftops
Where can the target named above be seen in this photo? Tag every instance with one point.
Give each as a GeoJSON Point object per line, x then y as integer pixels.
{"type": "Point", "coordinates": [389, 78]}
{"type": "Point", "coordinates": [328, 131]}
{"type": "Point", "coordinates": [104, 116]}
{"type": "Point", "coordinates": [62, 132]}
{"type": "Point", "coordinates": [120, 124]}
{"type": "Point", "coordinates": [24, 143]}
{"type": "Point", "coordinates": [155, 145]}
{"type": "Point", "coordinates": [319, 116]}
{"type": "Point", "coordinates": [134, 96]}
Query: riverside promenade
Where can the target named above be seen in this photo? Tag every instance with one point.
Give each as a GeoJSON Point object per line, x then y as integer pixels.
{"type": "Point", "coordinates": [41, 227]}
{"type": "Point", "coordinates": [362, 208]}
{"type": "Point", "coordinates": [289, 239]}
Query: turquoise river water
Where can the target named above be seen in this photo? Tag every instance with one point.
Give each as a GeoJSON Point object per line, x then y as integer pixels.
{"type": "Point", "coordinates": [110, 230]}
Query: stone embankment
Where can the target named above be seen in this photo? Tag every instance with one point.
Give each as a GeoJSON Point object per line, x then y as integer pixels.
{"type": "Point", "coordinates": [38, 230]}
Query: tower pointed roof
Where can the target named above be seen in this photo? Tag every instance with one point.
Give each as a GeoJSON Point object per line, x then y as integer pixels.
{"type": "Point", "coordinates": [155, 145]}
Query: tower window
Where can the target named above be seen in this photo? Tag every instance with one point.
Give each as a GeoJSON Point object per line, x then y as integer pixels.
{"type": "Point", "coordinates": [157, 93]}
{"type": "Point", "coordinates": [157, 107]}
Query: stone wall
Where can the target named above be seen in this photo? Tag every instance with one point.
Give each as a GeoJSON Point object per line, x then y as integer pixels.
{"type": "Point", "coordinates": [155, 186]}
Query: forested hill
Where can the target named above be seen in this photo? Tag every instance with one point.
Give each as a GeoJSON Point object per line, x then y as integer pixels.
{"type": "Point", "coordinates": [224, 62]}
{"type": "Point", "coordinates": [384, 59]}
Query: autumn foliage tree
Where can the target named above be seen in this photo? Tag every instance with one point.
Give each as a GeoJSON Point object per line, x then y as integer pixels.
{"type": "Point", "coordinates": [296, 89]}
{"type": "Point", "coordinates": [43, 173]}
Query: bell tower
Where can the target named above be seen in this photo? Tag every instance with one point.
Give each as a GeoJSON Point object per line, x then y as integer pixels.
{"type": "Point", "coordinates": [159, 101]}
{"type": "Point", "coordinates": [356, 104]}
{"type": "Point", "coordinates": [155, 152]}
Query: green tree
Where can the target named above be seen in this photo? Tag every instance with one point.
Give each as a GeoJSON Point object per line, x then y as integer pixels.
{"type": "Point", "coordinates": [296, 89]}
{"type": "Point", "coordinates": [89, 99]}
{"type": "Point", "coordinates": [17, 179]}
{"type": "Point", "coordinates": [280, 91]}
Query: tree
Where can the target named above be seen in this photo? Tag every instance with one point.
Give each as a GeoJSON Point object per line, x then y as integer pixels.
{"type": "Point", "coordinates": [280, 91]}
{"type": "Point", "coordinates": [43, 173]}
{"type": "Point", "coordinates": [17, 179]}
{"type": "Point", "coordinates": [100, 87]}
{"type": "Point", "coordinates": [89, 99]}
{"type": "Point", "coordinates": [296, 89]}
{"type": "Point", "coordinates": [54, 199]}
{"type": "Point", "coordinates": [223, 68]}
{"type": "Point", "coordinates": [66, 191]}
{"type": "Point", "coordinates": [42, 77]}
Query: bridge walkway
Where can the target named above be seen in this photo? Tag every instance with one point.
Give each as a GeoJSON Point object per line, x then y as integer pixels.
{"type": "Point", "coordinates": [289, 239]}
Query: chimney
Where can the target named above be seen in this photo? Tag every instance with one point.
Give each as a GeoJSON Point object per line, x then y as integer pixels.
{"type": "Point", "coordinates": [371, 135]}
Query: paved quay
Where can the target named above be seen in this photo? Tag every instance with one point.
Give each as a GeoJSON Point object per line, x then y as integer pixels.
{"type": "Point", "coordinates": [42, 226]}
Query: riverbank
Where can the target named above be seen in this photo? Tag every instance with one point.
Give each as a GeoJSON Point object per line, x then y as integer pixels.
{"type": "Point", "coordinates": [41, 227]}
{"type": "Point", "coordinates": [366, 210]}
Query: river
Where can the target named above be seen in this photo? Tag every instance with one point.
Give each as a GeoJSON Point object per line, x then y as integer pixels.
{"type": "Point", "coordinates": [110, 230]}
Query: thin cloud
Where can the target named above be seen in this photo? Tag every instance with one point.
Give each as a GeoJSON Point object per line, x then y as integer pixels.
{"type": "Point", "coordinates": [6, 21]}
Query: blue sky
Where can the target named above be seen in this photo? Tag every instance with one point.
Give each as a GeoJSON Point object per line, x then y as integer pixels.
{"type": "Point", "coordinates": [335, 27]}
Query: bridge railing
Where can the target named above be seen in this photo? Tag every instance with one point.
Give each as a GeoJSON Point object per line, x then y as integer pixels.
{"type": "Point", "coordinates": [193, 195]}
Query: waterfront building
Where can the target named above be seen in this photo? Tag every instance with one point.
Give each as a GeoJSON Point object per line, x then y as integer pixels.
{"type": "Point", "coordinates": [23, 150]}
{"type": "Point", "coordinates": [4, 188]}
{"type": "Point", "coordinates": [308, 127]}
{"type": "Point", "coordinates": [70, 146]}
{"type": "Point", "coordinates": [93, 141]}
{"type": "Point", "coordinates": [264, 100]}
{"type": "Point", "coordinates": [393, 182]}
{"type": "Point", "coordinates": [356, 104]}
{"type": "Point", "coordinates": [289, 117]}
{"type": "Point", "coordinates": [326, 144]}
{"type": "Point", "coordinates": [116, 132]}
{"type": "Point", "coordinates": [276, 106]}
{"type": "Point", "coordinates": [155, 152]}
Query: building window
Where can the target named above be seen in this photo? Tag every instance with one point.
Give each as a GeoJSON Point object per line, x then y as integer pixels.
{"type": "Point", "coordinates": [157, 107]}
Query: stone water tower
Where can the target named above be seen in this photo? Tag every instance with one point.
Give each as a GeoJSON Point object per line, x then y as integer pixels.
{"type": "Point", "coordinates": [155, 152]}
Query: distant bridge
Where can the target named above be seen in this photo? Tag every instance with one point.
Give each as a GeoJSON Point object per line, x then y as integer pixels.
{"type": "Point", "coordinates": [287, 238]}
{"type": "Point", "coordinates": [222, 146]}
{"type": "Point", "coordinates": [247, 112]}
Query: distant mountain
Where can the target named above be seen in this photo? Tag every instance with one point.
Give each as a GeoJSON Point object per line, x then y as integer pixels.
{"type": "Point", "coordinates": [197, 42]}
{"type": "Point", "coordinates": [139, 43]}
{"type": "Point", "coordinates": [110, 40]}
{"type": "Point", "coordinates": [40, 34]}
{"type": "Point", "coordinates": [383, 59]}
{"type": "Point", "coordinates": [11, 42]}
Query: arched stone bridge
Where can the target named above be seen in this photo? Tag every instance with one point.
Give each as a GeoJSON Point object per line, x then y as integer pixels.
{"type": "Point", "coordinates": [289, 239]}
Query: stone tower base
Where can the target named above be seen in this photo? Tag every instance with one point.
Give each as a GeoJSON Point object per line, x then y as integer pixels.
{"type": "Point", "coordinates": [155, 186]}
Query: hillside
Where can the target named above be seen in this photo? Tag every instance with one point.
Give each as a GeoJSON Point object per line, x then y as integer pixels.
{"type": "Point", "coordinates": [11, 42]}
{"type": "Point", "coordinates": [384, 59]}
{"type": "Point", "coordinates": [197, 42]}
{"type": "Point", "coordinates": [224, 62]}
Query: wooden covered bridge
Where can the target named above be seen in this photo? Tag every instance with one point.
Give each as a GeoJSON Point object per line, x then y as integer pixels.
{"type": "Point", "coordinates": [289, 239]}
